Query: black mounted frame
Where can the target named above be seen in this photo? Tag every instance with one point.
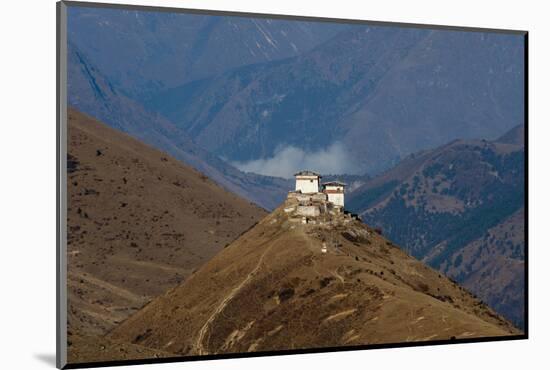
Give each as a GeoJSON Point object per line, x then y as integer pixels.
{"type": "Point", "coordinates": [61, 216]}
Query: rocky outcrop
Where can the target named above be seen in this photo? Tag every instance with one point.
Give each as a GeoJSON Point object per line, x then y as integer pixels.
{"type": "Point", "coordinates": [316, 209]}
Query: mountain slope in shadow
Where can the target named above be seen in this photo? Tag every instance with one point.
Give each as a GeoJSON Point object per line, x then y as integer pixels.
{"type": "Point", "coordinates": [159, 50]}
{"type": "Point", "coordinates": [381, 92]}
{"type": "Point", "coordinates": [460, 209]}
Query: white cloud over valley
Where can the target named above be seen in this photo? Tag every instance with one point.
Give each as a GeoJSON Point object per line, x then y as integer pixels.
{"type": "Point", "coordinates": [287, 160]}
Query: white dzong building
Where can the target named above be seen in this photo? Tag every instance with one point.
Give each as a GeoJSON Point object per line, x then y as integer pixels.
{"type": "Point", "coordinates": [307, 182]}
{"type": "Point", "coordinates": [310, 204]}
{"type": "Point", "coordinates": [335, 192]}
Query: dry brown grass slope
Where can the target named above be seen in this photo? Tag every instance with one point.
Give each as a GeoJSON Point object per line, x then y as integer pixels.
{"type": "Point", "coordinates": [273, 289]}
{"type": "Point", "coordinates": [139, 223]}
{"type": "Point", "coordinates": [86, 349]}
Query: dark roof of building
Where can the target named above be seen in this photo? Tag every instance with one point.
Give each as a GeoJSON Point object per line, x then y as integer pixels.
{"type": "Point", "coordinates": [334, 183]}
{"type": "Point", "coordinates": [307, 173]}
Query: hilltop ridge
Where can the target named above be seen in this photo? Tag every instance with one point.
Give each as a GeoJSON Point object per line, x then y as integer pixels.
{"type": "Point", "coordinates": [286, 284]}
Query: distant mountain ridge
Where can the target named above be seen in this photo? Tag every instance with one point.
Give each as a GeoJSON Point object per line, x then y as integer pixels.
{"type": "Point", "coordinates": [449, 204]}
{"type": "Point", "coordinates": [91, 93]}
{"type": "Point", "coordinates": [383, 92]}
{"type": "Point", "coordinates": [380, 93]}
{"type": "Point", "coordinates": [159, 50]}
